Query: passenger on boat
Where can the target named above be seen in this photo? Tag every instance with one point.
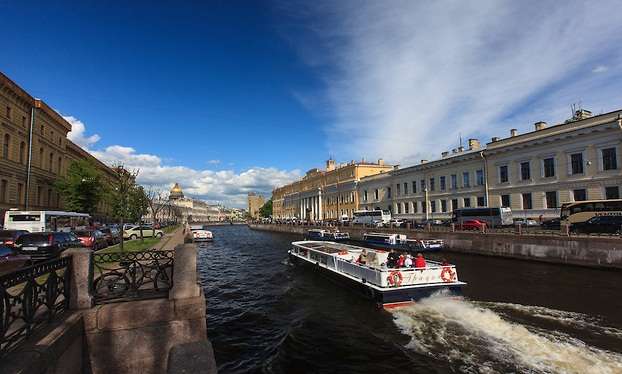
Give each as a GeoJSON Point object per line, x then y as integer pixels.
{"type": "Point", "coordinates": [420, 261]}
{"type": "Point", "coordinates": [392, 258]}
{"type": "Point", "coordinates": [400, 261]}
{"type": "Point", "coordinates": [444, 262]}
{"type": "Point", "coordinates": [408, 262]}
{"type": "Point", "coordinates": [363, 257]}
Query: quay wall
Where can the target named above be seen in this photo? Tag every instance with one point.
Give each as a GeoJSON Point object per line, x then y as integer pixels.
{"type": "Point", "coordinates": [599, 252]}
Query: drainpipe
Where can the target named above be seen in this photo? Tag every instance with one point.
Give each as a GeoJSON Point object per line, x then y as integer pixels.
{"type": "Point", "coordinates": [28, 168]}
{"type": "Point", "coordinates": [481, 153]}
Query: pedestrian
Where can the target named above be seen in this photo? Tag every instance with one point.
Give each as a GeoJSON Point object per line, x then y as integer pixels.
{"type": "Point", "coordinates": [420, 261]}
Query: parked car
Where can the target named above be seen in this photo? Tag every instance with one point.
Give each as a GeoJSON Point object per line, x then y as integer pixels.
{"type": "Point", "coordinates": [525, 222]}
{"type": "Point", "coordinates": [396, 222]}
{"type": "Point", "coordinates": [45, 245]}
{"type": "Point", "coordinates": [8, 237]}
{"type": "Point", "coordinates": [599, 224]}
{"type": "Point", "coordinates": [112, 235]}
{"type": "Point", "coordinates": [148, 232]}
{"type": "Point", "coordinates": [473, 224]}
{"type": "Point", "coordinates": [92, 239]}
{"type": "Point", "coordinates": [551, 224]}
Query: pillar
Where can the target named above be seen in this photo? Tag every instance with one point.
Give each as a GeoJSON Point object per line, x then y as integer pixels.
{"type": "Point", "coordinates": [185, 273]}
{"type": "Point", "coordinates": [79, 284]}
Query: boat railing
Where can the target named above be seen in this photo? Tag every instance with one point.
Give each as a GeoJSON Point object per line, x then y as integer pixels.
{"type": "Point", "coordinates": [370, 275]}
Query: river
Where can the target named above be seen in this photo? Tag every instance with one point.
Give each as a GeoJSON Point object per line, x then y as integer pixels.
{"type": "Point", "coordinates": [266, 316]}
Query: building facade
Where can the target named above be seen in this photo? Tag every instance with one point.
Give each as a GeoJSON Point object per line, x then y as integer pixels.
{"type": "Point", "coordinates": [532, 173]}
{"type": "Point", "coordinates": [255, 202]}
{"type": "Point", "coordinates": [34, 151]}
{"type": "Point", "coordinates": [324, 194]}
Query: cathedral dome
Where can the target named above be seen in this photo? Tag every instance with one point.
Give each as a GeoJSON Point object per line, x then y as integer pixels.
{"type": "Point", "coordinates": [176, 192]}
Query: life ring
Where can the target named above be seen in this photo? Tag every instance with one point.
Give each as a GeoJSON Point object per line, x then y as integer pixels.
{"type": "Point", "coordinates": [447, 275]}
{"type": "Point", "coordinates": [395, 278]}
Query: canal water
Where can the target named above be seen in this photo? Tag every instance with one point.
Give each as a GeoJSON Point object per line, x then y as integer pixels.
{"type": "Point", "coordinates": [266, 316]}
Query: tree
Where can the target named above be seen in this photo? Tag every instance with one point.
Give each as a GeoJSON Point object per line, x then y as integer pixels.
{"type": "Point", "coordinates": [266, 210]}
{"type": "Point", "coordinates": [128, 200]}
{"type": "Point", "coordinates": [156, 202]}
{"type": "Point", "coordinates": [83, 188]}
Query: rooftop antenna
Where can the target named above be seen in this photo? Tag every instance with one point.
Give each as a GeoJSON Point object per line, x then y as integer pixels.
{"type": "Point", "coordinates": [460, 138]}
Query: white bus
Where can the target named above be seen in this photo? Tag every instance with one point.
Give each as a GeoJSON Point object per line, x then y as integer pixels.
{"type": "Point", "coordinates": [45, 220]}
{"type": "Point", "coordinates": [371, 217]}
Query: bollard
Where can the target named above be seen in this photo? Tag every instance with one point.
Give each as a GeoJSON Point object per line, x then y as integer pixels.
{"type": "Point", "coordinates": [80, 279]}
{"type": "Point", "coordinates": [185, 273]}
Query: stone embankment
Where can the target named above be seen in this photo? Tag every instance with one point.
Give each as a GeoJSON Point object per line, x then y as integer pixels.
{"type": "Point", "coordinates": [600, 252]}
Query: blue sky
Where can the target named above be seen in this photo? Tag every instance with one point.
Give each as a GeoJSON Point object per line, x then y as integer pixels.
{"type": "Point", "coordinates": [229, 97]}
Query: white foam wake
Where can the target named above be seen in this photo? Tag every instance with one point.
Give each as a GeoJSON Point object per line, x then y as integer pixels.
{"type": "Point", "coordinates": [478, 340]}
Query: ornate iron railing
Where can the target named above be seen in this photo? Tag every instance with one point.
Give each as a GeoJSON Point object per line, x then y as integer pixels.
{"type": "Point", "coordinates": [31, 297]}
{"type": "Point", "coordinates": [119, 276]}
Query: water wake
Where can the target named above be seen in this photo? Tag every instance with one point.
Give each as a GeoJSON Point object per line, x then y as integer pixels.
{"type": "Point", "coordinates": [476, 339]}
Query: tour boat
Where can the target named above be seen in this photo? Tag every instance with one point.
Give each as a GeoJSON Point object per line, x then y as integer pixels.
{"type": "Point", "coordinates": [401, 242]}
{"type": "Point", "coordinates": [200, 235]}
{"type": "Point", "coordinates": [326, 235]}
{"type": "Point", "coordinates": [389, 287]}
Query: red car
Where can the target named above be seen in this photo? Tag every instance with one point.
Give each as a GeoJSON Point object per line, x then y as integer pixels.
{"type": "Point", "coordinates": [93, 239]}
{"type": "Point", "coordinates": [473, 224]}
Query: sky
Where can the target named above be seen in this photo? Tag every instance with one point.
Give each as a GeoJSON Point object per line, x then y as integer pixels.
{"type": "Point", "coordinates": [228, 97]}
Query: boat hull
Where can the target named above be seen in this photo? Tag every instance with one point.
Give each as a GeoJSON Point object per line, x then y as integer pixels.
{"type": "Point", "coordinates": [386, 297]}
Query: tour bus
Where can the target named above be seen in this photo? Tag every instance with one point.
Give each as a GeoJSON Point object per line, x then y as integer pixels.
{"type": "Point", "coordinates": [581, 211]}
{"type": "Point", "coordinates": [492, 216]}
{"type": "Point", "coordinates": [371, 217]}
{"type": "Point", "coordinates": [45, 220]}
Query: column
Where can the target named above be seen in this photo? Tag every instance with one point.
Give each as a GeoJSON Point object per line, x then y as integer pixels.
{"type": "Point", "coordinates": [319, 204]}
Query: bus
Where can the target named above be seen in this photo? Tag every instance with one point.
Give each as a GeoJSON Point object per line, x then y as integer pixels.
{"type": "Point", "coordinates": [45, 220]}
{"type": "Point", "coordinates": [492, 216]}
{"type": "Point", "coordinates": [581, 211]}
{"type": "Point", "coordinates": [371, 217]}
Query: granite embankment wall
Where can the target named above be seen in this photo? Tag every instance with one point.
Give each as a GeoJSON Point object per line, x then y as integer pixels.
{"type": "Point", "coordinates": [601, 252]}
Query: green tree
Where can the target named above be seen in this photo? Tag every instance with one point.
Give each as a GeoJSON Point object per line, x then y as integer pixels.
{"type": "Point", "coordinates": [266, 210]}
{"type": "Point", "coordinates": [128, 200]}
{"type": "Point", "coordinates": [83, 188]}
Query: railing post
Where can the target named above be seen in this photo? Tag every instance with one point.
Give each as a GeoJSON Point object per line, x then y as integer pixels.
{"type": "Point", "coordinates": [185, 273]}
{"type": "Point", "coordinates": [81, 278]}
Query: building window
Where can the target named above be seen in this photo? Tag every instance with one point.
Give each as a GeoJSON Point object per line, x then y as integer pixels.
{"type": "Point", "coordinates": [42, 130]}
{"type": "Point", "coordinates": [579, 195]}
{"type": "Point", "coordinates": [22, 152]}
{"type": "Point", "coordinates": [525, 171]}
{"type": "Point", "coordinates": [41, 160]}
{"type": "Point", "coordinates": [454, 204]}
{"type": "Point", "coordinates": [432, 184]}
{"type": "Point", "coordinates": [433, 206]}
{"type": "Point", "coordinates": [60, 163]}
{"type": "Point", "coordinates": [443, 206]}
{"type": "Point", "coordinates": [406, 204]}
{"type": "Point", "coordinates": [551, 199]}
{"type": "Point", "coordinates": [503, 174]}
{"type": "Point", "coordinates": [481, 201]}
{"type": "Point", "coordinates": [39, 196]}
{"type": "Point", "coordinates": [576, 163]}
{"type": "Point", "coordinates": [467, 202]}
{"type": "Point", "coordinates": [399, 208]}
{"type": "Point", "coordinates": [414, 186]}
{"type": "Point", "coordinates": [549, 167]}
{"type": "Point", "coordinates": [51, 162]}
{"type": "Point", "coordinates": [376, 194]}
{"type": "Point", "coordinates": [388, 192]}
{"type": "Point", "coordinates": [5, 146]}
{"type": "Point", "coordinates": [3, 191]}
{"type": "Point", "coordinates": [424, 208]}
{"type": "Point", "coordinates": [479, 176]}
{"type": "Point", "coordinates": [8, 112]}
{"type": "Point", "coordinates": [49, 200]}
{"type": "Point", "coordinates": [398, 189]}
{"type": "Point", "coordinates": [505, 201]}
{"type": "Point", "coordinates": [23, 121]}
{"type": "Point", "coordinates": [365, 195]}
{"type": "Point", "coordinates": [610, 161]}
{"type": "Point", "coordinates": [405, 188]}
{"type": "Point", "coordinates": [454, 181]}
{"type": "Point", "coordinates": [527, 201]}
{"type": "Point", "coordinates": [422, 183]}
{"type": "Point", "coordinates": [466, 180]}
{"type": "Point", "coordinates": [20, 193]}
{"type": "Point", "coordinates": [612, 192]}
{"type": "Point", "coordinates": [441, 181]}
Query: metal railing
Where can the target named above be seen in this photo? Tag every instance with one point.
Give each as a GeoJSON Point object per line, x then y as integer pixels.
{"type": "Point", "coordinates": [121, 276]}
{"type": "Point", "coordinates": [30, 298]}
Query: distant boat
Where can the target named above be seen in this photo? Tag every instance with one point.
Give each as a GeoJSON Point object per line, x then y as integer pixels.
{"type": "Point", "coordinates": [401, 242]}
{"type": "Point", "coordinates": [389, 287]}
{"type": "Point", "coordinates": [200, 234]}
{"type": "Point", "coordinates": [326, 235]}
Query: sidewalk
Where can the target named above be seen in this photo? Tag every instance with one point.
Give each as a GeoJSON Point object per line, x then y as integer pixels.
{"type": "Point", "coordinates": [170, 241]}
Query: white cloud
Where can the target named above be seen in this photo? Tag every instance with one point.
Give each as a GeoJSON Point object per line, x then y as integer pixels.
{"type": "Point", "coordinates": [600, 69]}
{"type": "Point", "coordinates": [224, 186]}
{"type": "Point", "coordinates": [404, 78]}
{"type": "Point", "coordinates": [76, 134]}
{"type": "Point", "coordinates": [213, 162]}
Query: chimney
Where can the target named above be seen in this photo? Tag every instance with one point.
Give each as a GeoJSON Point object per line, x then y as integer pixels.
{"type": "Point", "coordinates": [424, 161]}
{"type": "Point", "coordinates": [380, 162]}
{"type": "Point", "coordinates": [460, 149]}
{"type": "Point", "coordinates": [444, 154]}
{"type": "Point", "coordinates": [330, 164]}
{"type": "Point", "coordinates": [495, 139]}
{"type": "Point", "coordinates": [539, 125]}
{"type": "Point", "coordinates": [513, 132]}
{"type": "Point", "coordinates": [473, 144]}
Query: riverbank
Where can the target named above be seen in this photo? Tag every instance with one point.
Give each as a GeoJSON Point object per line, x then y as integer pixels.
{"type": "Point", "coordinates": [599, 252]}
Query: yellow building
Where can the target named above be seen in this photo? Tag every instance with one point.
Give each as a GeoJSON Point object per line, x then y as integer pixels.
{"type": "Point", "coordinates": [34, 151]}
{"type": "Point", "coordinates": [324, 194]}
{"type": "Point", "coordinates": [255, 202]}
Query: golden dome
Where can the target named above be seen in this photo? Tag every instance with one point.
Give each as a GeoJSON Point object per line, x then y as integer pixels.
{"type": "Point", "coordinates": [176, 192]}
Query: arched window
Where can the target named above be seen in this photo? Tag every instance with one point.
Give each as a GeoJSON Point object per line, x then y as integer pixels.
{"type": "Point", "coordinates": [41, 160]}
{"type": "Point", "coordinates": [22, 152]}
{"type": "Point", "coordinates": [51, 161]}
{"type": "Point", "coordinates": [59, 165]}
{"type": "Point", "coordinates": [5, 146]}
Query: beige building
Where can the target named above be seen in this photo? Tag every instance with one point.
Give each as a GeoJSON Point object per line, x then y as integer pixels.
{"type": "Point", "coordinates": [255, 202]}
{"type": "Point", "coordinates": [324, 194]}
{"type": "Point", "coordinates": [34, 151]}
{"type": "Point", "coordinates": [533, 173]}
